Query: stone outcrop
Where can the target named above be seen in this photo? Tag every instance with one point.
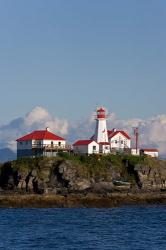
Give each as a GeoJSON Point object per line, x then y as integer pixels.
{"type": "Point", "coordinates": [152, 177]}
{"type": "Point", "coordinates": [61, 176]}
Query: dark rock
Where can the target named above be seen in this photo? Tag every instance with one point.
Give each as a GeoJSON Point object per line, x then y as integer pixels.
{"type": "Point", "coordinates": [102, 186]}
{"type": "Point", "coordinates": [62, 176]}
{"type": "Point", "coordinates": [80, 185]}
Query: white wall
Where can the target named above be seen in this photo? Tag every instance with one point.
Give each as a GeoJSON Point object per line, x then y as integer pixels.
{"type": "Point", "coordinates": [152, 154]}
{"type": "Point", "coordinates": [86, 149]}
{"type": "Point", "coordinates": [29, 144]}
{"type": "Point", "coordinates": [48, 142]}
{"type": "Point", "coordinates": [56, 143]}
{"type": "Point", "coordinates": [104, 149]}
{"type": "Point", "coordinates": [101, 134]}
{"type": "Point", "coordinates": [133, 151]}
{"type": "Point", "coordinates": [91, 150]}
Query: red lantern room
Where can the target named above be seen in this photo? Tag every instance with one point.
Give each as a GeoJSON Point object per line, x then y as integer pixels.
{"type": "Point", "coordinates": [101, 113]}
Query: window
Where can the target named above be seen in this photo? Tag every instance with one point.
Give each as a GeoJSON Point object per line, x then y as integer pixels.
{"type": "Point", "coordinates": [94, 148]}
{"type": "Point", "coordinates": [121, 142]}
{"type": "Point", "coordinates": [116, 141]}
{"type": "Point", "coordinates": [59, 143]}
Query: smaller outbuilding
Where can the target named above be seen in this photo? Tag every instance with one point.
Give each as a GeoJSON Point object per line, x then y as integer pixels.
{"type": "Point", "coordinates": [153, 152]}
{"type": "Point", "coordinates": [104, 147]}
{"type": "Point", "coordinates": [86, 147]}
{"type": "Point", "coordinates": [135, 151]}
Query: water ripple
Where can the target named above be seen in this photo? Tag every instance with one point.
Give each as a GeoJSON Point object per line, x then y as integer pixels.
{"type": "Point", "coordinates": [125, 228]}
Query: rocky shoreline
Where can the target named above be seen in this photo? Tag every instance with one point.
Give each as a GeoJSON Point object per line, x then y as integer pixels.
{"type": "Point", "coordinates": [83, 181]}
{"type": "Point", "coordinates": [90, 200]}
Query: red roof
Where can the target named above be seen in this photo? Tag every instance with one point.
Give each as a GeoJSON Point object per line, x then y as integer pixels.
{"type": "Point", "coordinates": [113, 133]}
{"type": "Point", "coordinates": [104, 143]}
{"type": "Point", "coordinates": [41, 135]}
{"type": "Point", "coordinates": [82, 142]}
{"type": "Point", "coordinates": [149, 149]}
{"type": "Point", "coordinates": [101, 109]}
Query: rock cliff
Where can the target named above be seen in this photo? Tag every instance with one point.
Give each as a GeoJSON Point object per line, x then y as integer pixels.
{"type": "Point", "coordinates": [88, 174]}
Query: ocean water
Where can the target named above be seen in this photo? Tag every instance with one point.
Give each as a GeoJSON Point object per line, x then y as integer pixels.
{"type": "Point", "coordinates": [134, 228]}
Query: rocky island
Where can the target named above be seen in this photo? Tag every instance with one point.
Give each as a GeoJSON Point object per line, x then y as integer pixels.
{"type": "Point", "coordinates": [83, 181]}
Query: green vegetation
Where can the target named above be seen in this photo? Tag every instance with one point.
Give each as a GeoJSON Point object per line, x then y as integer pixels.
{"type": "Point", "coordinates": [93, 167]}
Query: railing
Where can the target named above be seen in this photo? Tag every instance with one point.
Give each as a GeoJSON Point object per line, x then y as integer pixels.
{"type": "Point", "coordinates": [50, 146]}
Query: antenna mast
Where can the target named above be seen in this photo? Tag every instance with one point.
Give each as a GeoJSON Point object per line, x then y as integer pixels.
{"type": "Point", "coordinates": [136, 133]}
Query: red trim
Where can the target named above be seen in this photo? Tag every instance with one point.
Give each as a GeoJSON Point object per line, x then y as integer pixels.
{"type": "Point", "coordinates": [41, 135]}
{"type": "Point", "coordinates": [104, 143]}
{"type": "Point", "coordinates": [101, 116]}
{"type": "Point", "coordinates": [82, 142]}
{"type": "Point", "coordinates": [113, 133]}
{"type": "Point", "coordinates": [149, 149]}
{"type": "Point", "coordinates": [101, 113]}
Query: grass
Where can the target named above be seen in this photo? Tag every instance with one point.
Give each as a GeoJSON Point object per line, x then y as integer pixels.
{"type": "Point", "coordinates": [97, 167]}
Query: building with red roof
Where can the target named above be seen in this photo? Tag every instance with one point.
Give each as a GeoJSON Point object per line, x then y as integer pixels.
{"type": "Point", "coordinates": [91, 147]}
{"type": "Point", "coordinates": [116, 140]}
{"type": "Point", "coordinates": [104, 147]}
{"type": "Point", "coordinates": [119, 140]}
{"type": "Point", "coordinates": [86, 147]}
{"type": "Point", "coordinates": [152, 152]}
{"type": "Point", "coordinates": [40, 143]}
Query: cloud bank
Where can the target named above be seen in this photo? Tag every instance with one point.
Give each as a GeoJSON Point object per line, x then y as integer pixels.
{"type": "Point", "coordinates": [152, 130]}
{"type": "Point", "coordinates": [38, 118]}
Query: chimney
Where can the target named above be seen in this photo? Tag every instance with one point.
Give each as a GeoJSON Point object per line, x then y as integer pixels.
{"type": "Point", "coordinates": [47, 129]}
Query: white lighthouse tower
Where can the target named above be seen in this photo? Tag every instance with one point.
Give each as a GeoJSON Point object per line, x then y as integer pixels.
{"type": "Point", "coordinates": [101, 134]}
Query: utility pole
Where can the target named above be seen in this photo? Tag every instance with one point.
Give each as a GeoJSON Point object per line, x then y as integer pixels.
{"type": "Point", "coordinates": [136, 133]}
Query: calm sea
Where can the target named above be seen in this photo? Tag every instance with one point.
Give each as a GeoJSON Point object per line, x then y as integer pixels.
{"type": "Point", "coordinates": [118, 228]}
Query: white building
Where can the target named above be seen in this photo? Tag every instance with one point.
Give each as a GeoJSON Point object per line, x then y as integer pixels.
{"type": "Point", "coordinates": [101, 134]}
{"type": "Point", "coordinates": [104, 147]}
{"type": "Point", "coordinates": [135, 151]}
{"type": "Point", "coordinates": [86, 147]}
{"type": "Point", "coordinates": [106, 141]}
{"type": "Point", "coordinates": [153, 152]}
{"type": "Point", "coordinates": [119, 140]}
{"type": "Point", "coordinates": [40, 143]}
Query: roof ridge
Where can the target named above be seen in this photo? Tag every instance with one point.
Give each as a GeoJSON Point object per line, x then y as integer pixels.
{"type": "Point", "coordinates": [40, 135]}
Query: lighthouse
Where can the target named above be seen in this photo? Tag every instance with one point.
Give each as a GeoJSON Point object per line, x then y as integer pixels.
{"type": "Point", "coordinates": [101, 134]}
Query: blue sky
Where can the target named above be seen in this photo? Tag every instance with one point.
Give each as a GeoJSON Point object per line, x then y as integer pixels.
{"type": "Point", "coordinates": [71, 56]}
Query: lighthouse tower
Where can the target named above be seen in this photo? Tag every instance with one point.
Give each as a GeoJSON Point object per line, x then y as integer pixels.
{"type": "Point", "coordinates": [101, 134]}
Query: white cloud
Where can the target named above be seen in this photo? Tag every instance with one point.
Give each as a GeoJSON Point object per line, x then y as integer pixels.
{"type": "Point", "coordinates": [38, 118]}
{"type": "Point", "coordinates": [152, 130]}
{"type": "Point", "coordinates": [38, 114]}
